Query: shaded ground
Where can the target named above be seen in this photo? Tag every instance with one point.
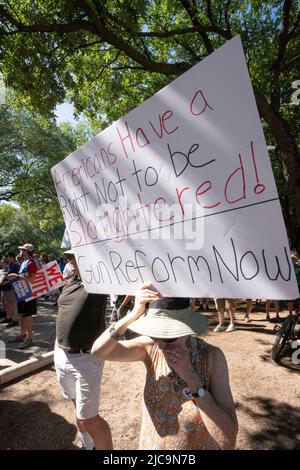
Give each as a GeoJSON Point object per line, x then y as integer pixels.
{"type": "Point", "coordinates": [44, 336]}
{"type": "Point", "coordinates": [33, 414]}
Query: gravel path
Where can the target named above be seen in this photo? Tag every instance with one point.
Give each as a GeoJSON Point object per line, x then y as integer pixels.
{"type": "Point", "coordinates": [33, 414]}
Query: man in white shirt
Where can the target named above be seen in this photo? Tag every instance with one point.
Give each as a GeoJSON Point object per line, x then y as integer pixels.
{"type": "Point", "coordinates": [68, 271]}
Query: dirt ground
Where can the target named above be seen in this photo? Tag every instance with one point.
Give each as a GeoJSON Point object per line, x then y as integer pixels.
{"type": "Point", "coordinates": [34, 415]}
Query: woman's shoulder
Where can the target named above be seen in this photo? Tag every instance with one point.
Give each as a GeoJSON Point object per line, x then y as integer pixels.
{"type": "Point", "coordinates": [204, 345]}
{"type": "Point", "coordinates": [151, 350]}
{"type": "Point", "coordinates": [142, 341]}
{"type": "Point", "coordinates": [216, 359]}
{"type": "Point", "coordinates": [145, 341]}
{"type": "Point", "coordinates": [213, 353]}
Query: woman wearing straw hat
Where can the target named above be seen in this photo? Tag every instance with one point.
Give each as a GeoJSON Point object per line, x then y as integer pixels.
{"type": "Point", "coordinates": [188, 403]}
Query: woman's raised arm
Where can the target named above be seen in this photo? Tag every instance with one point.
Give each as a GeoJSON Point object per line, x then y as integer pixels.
{"type": "Point", "coordinates": [108, 347]}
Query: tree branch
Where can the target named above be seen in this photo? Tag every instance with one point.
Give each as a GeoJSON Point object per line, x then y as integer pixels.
{"type": "Point", "coordinates": [106, 66]}
{"type": "Point", "coordinates": [287, 145]}
{"type": "Point", "coordinates": [13, 10]}
{"type": "Point", "coordinates": [217, 29]}
{"type": "Point", "coordinates": [73, 26]}
{"type": "Point", "coordinates": [192, 12]}
{"type": "Point", "coordinates": [288, 65]}
{"type": "Point", "coordinates": [295, 26]}
{"type": "Point", "coordinates": [88, 44]}
{"type": "Point", "coordinates": [120, 44]}
{"type": "Point", "coordinates": [146, 52]}
{"type": "Point", "coordinates": [226, 17]}
{"type": "Point", "coordinates": [209, 11]}
{"type": "Point", "coordinates": [283, 40]}
{"type": "Point", "coordinates": [189, 49]}
{"type": "Point", "coordinates": [175, 32]}
{"type": "Point", "coordinates": [95, 26]}
{"type": "Point", "coordinates": [127, 67]}
{"type": "Point", "coordinates": [8, 195]}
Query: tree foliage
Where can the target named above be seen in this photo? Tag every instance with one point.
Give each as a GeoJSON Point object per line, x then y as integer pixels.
{"type": "Point", "coordinates": [97, 52]}
{"type": "Point", "coordinates": [29, 147]}
{"type": "Point", "coordinates": [19, 226]}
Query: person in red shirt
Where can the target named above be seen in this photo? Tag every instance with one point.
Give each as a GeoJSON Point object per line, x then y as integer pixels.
{"type": "Point", "coordinates": [26, 310]}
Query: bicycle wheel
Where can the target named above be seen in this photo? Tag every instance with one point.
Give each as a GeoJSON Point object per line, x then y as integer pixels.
{"type": "Point", "coordinates": [281, 339]}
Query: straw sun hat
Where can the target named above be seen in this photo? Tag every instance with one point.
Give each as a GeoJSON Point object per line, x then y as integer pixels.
{"type": "Point", "coordinates": [171, 322]}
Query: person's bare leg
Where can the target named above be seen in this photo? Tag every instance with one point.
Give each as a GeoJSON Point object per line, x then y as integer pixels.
{"type": "Point", "coordinates": [22, 325]}
{"type": "Point", "coordinates": [29, 326]}
{"type": "Point", "coordinates": [85, 438]}
{"type": "Point", "coordinates": [6, 306]}
{"type": "Point", "coordinates": [221, 316]}
{"type": "Point", "coordinates": [290, 307]}
{"type": "Point", "coordinates": [15, 315]}
{"type": "Point", "coordinates": [99, 431]}
{"type": "Point", "coordinates": [248, 310]}
{"type": "Point", "coordinates": [193, 304]}
{"type": "Point", "coordinates": [11, 308]}
{"type": "Point", "coordinates": [231, 310]}
{"type": "Point", "coordinates": [220, 307]}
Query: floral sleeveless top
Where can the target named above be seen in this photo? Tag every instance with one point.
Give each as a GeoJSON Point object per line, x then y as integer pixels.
{"type": "Point", "coordinates": [171, 421]}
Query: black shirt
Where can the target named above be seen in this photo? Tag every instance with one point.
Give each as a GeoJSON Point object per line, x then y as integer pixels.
{"type": "Point", "coordinates": [81, 316]}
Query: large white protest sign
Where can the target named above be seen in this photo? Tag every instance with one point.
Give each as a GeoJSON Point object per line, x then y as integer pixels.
{"type": "Point", "coordinates": [48, 278]}
{"type": "Point", "coordinates": [180, 193]}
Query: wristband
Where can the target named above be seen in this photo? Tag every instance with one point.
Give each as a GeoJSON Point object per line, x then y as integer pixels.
{"type": "Point", "coordinates": [113, 333]}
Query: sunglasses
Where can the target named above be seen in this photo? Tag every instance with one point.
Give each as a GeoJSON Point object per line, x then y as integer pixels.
{"type": "Point", "coordinates": [165, 340]}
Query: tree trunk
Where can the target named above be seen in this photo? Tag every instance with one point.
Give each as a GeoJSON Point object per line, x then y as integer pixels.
{"type": "Point", "coordinates": [289, 154]}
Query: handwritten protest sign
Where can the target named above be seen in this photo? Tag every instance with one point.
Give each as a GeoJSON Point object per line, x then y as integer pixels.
{"type": "Point", "coordinates": [48, 277]}
{"type": "Point", "coordinates": [180, 193]}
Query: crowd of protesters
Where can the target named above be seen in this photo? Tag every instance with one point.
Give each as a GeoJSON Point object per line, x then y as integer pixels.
{"type": "Point", "coordinates": [187, 399]}
{"type": "Point", "coordinates": [23, 266]}
{"type": "Point", "coordinates": [188, 404]}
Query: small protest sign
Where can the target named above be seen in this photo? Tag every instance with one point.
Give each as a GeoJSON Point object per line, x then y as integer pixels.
{"type": "Point", "coordinates": [48, 277]}
{"type": "Point", "coordinates": [22, 290]}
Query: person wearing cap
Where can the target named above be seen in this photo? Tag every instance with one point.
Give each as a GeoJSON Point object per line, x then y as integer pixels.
{"type": "Point", "coordinates": [26, 310]}
{"type": "Point", "coordinates": [9, 298]}
{"type": "Point", "coordinates": [80, 320]}
{"type": "Point", "coordinates": [188, 403]}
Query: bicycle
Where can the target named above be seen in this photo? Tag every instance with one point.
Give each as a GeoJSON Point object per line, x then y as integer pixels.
{"type": "Point", "coordinates": [287, 336]}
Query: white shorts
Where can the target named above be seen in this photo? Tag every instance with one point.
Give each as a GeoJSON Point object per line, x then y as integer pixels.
{"type": "Point", "coordinates": [79, 376]}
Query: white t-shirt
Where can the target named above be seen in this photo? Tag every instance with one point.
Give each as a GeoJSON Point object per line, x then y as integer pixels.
{"type": "Point", "coordinates": [68, 271]}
